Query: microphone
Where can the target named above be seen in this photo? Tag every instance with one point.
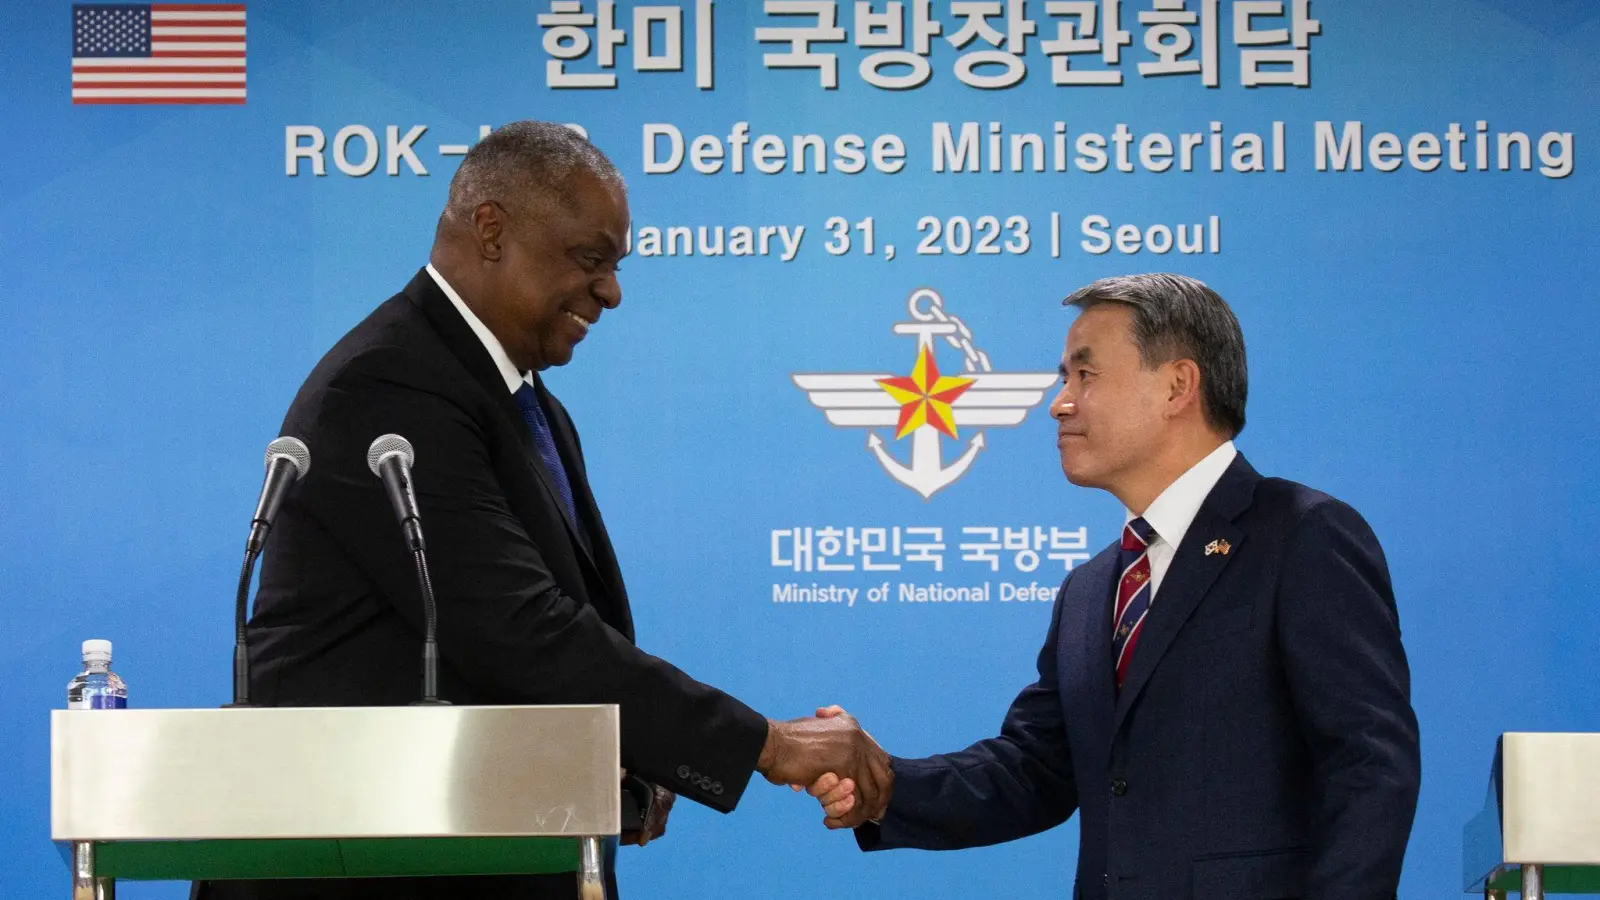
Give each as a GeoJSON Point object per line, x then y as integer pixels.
{"type": "Point", "coordinates": [287, 462]}
{"type": "Point", "coordinates": [390, 458]}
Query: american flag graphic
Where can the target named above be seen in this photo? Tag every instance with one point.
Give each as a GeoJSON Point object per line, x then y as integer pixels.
{"type": "Point", "coordinates": [158, 53]}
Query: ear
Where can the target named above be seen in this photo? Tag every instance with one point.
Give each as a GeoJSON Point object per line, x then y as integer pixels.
{"type": "Point", "coordinates": [488, 224]}
{"type": "Point", "coordinates": [1183, 387]}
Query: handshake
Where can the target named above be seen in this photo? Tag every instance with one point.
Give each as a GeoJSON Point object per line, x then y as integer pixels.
{"type": "Point", "coordinates": [833, 759]}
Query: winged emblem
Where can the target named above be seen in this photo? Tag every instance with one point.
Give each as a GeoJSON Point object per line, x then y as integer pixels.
{"type": "Point", "coordinates": [928, 406]}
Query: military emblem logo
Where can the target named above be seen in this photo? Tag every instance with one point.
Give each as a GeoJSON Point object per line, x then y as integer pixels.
{"type": "Point", "coordinates": [927, 405]}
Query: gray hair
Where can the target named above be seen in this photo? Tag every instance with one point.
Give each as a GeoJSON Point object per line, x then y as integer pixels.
{"type": "Point", "coordinates": [1176, 317]}
{"type": "Point", "coordinates": [525, 166]}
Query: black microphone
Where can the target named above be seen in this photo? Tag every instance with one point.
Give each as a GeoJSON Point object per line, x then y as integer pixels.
{"type": "Point", "coordinates": [390, 458]}
{"type": "Point", "coordinates": [288, 461]}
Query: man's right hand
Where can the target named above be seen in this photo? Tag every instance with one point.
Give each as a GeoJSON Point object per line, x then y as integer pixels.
{"type": "Point", "coordinates": [803, 751]}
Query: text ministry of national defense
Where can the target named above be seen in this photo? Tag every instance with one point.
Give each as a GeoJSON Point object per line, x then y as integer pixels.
{"type": "Point", "coordinates": [992, 146]}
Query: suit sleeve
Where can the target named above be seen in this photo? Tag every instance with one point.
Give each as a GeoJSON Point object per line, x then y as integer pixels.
{"type": "Point", "coordinates": [504, 626]}
{"type": "Point", "coordinates": [1000, 789]}
{"type": "Point", "coordinates": [1339, 637]}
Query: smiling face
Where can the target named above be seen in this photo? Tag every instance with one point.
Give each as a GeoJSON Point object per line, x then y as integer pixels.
{"type": "Point", "coordinates": [1111, 412]}
{"type": "Point", "coordinates": [553, 274]}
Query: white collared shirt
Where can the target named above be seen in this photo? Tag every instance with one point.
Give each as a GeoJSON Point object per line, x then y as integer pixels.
{"type": "Point", "coordinates": [1173, 511]}
{"type": "Point", "coordinates": [497, 352]}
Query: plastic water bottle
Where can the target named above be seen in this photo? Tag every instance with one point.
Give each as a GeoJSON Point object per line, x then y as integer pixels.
{"type": "Point", "coordinates": [97, 687]}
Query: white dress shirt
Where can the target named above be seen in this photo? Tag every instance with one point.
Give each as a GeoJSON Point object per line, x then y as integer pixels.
{"type": "Point", "coordinates": [1173, 511]}
{"type": "Point", "coordinates": [497, 352]}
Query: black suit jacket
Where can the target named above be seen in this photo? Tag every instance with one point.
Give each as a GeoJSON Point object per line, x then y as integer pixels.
{"type": "Point", "coordinates": [1263, 745]}
{"type": "Point", "coordinates": [530, 608]}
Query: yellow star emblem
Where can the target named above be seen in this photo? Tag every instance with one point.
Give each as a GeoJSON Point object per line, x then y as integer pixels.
{"type": "Point", "coordinates": [925, 397]}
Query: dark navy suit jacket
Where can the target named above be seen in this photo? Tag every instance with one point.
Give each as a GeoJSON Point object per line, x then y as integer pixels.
{"type": "Point", "coordinates": [1262, 747]}
{"type": "Point", "coordinates": [531, 602]}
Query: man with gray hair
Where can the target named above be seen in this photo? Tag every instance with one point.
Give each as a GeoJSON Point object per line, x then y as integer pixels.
{"type": "Point", "coordinates": [1222, 693]}
{"type": "Point", "coordinates": [531, 602]}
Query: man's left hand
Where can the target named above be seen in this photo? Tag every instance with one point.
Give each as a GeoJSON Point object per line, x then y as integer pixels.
{"type": "Point", "coordinates": [655, 824]}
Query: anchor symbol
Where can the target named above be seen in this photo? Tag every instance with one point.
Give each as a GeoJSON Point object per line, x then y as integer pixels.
{"type": "Point", "coordinates": [925, 474]}
{"type": "Point", "coordinates": [926, 405]}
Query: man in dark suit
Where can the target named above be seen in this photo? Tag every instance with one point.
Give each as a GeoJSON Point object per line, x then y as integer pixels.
{"type": "Point", "coordinates": [1222, 693]}
{"type": "Point", "coordinates": [531, 604]}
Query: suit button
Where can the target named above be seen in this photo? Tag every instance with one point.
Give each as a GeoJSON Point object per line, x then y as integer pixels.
{"type": "Point", "coordinates": [1118, 787]}
{"type": "Point", "coordinates": [683, 772]}
{"type": "Point", "coordinates": [716, 788]}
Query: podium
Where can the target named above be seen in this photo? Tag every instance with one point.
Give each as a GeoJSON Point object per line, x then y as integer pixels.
{"type": "Point", "coordinates": [333, 792]}
{"type": "Point", "coordinates": [1540, 826]}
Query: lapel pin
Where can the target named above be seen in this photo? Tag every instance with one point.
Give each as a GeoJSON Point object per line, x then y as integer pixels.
{"type": "Point", "coordinates": [1218, 546]}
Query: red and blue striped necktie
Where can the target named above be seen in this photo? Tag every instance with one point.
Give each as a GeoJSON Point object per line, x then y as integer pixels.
{"type": "Point", "coordinates": [1133, 592]}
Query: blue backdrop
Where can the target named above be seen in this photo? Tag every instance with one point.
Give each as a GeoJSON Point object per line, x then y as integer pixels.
{"type": "Point", "coordinates": [1421, 345]}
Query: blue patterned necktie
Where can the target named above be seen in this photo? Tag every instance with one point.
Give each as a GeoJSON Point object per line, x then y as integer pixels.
{"type": "Point", "coordinates": [545, 443]}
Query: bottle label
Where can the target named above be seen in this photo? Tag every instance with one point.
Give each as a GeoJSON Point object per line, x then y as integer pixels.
{"type": "Point", "coordinates": [104, 701]}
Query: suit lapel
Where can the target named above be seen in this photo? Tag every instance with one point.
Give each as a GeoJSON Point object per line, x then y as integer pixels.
{"type": "Point", "coordinates": [464, 344]}
{"type": "Point", "coordinates": [588, 511]}
{"type": "Point", "coordinates": [548, 480]}
{"type": "Point", "coordinates": [1192, 573]}
{"type": "Point", "coordinates": [595, 542]}
{"type": "Point", "coordinates": [1086, 637]}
